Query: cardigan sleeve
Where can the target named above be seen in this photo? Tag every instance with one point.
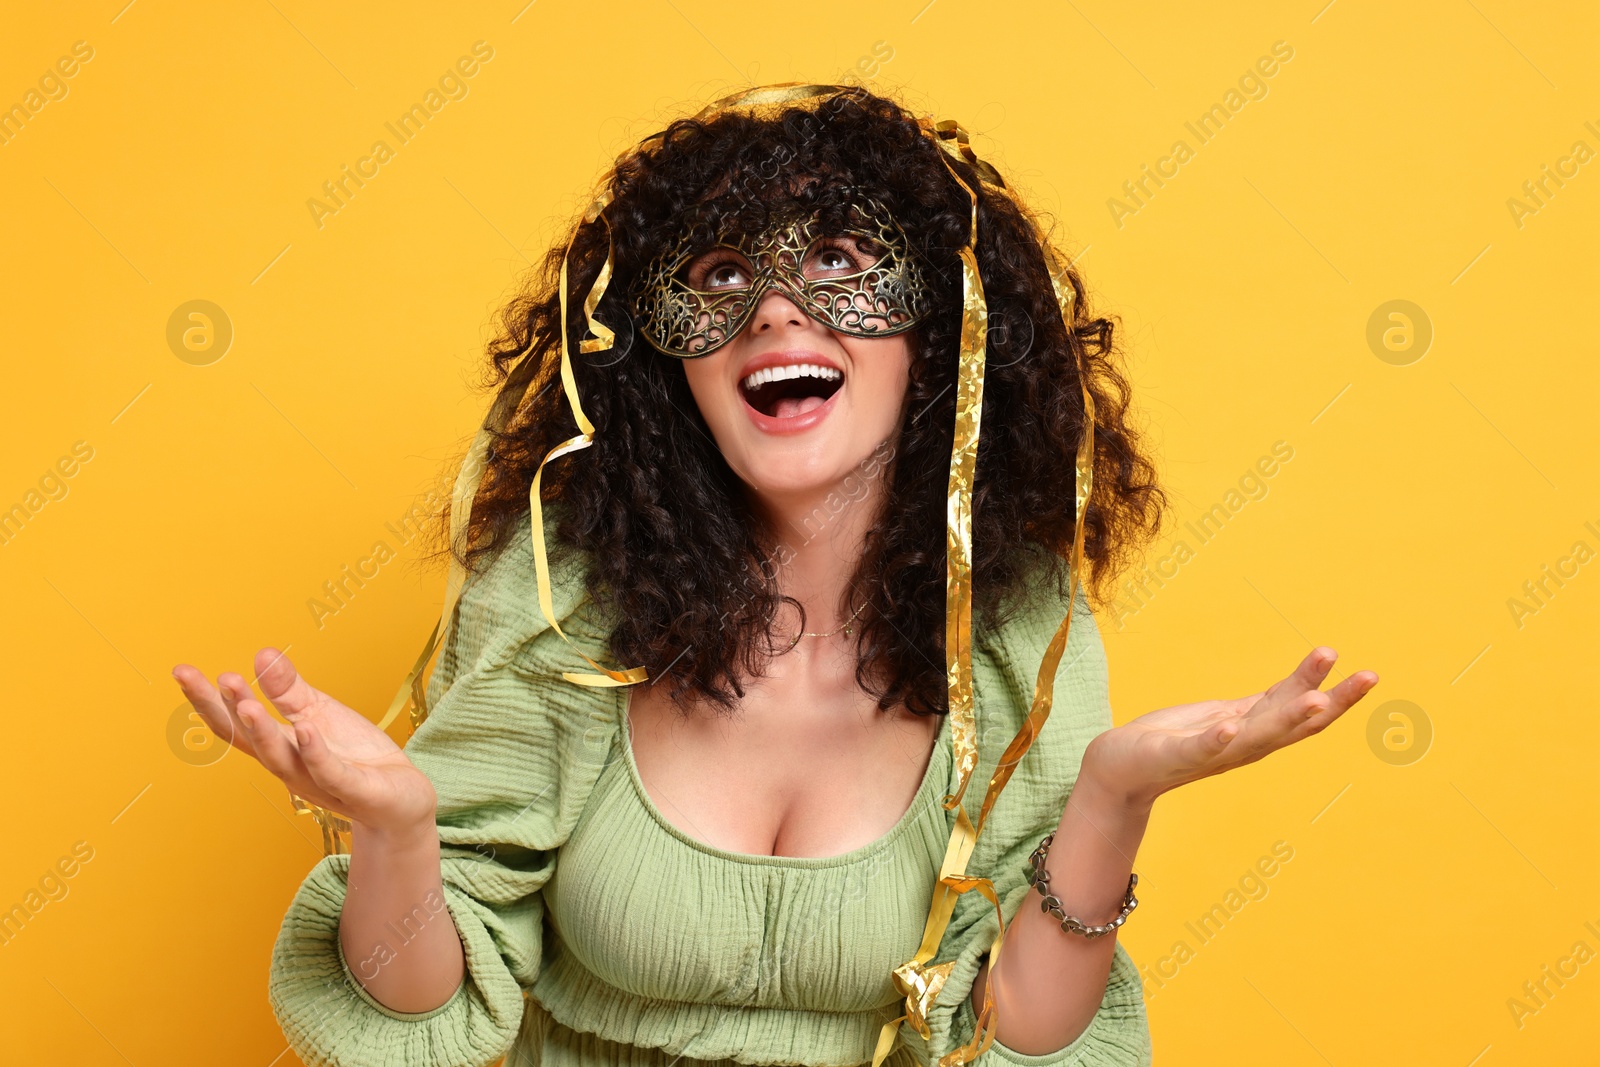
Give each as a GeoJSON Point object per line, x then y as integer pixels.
{"type": "Point", "coordinates": [512, 750]}
{"type": "Point", "coordinates": [1029, 808]}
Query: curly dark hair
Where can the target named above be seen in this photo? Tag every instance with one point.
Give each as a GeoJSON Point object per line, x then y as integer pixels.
{"type": "Point", "coordinates": [663, 519]}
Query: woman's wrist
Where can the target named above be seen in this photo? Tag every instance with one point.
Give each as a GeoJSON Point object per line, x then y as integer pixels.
{"type": "Point", "coordinates": [412, 820]}
{"type": "Point", "coordinates": [1110, 799]}
{"type": "Point", "coordinates": [399, 838]}
{"type": "Point", "coordinates": [1053, 979]}
{"type": "Point", "coordinates": [1115, 822]}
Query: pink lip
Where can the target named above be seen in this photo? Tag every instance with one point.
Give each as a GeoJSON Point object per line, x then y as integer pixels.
{"type": "Point", "coordinates": [800, 423]}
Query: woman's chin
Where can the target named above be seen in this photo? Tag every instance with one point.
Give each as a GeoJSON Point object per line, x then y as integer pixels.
{"type": "Point", "coordinates": [778, 485]}
{"type": "Point", "coordinates": [785, 476]}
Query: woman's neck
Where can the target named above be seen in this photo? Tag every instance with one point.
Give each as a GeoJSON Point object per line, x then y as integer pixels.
{"type": "Point", "coordinates": [820, 537]}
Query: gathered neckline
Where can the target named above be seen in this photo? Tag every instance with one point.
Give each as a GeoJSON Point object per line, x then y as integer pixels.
{"type": "Point", "coordinates": [927, 793]}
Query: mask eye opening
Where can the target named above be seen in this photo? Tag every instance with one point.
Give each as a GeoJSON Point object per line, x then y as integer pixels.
{"type": "Point", "coordinates": [852, 254]}
{"type": "Point", "coordinates": [719, 269]}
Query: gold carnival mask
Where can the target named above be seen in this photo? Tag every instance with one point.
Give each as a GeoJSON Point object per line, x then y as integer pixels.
{"type": "Point", "coordinates": [859, 278]}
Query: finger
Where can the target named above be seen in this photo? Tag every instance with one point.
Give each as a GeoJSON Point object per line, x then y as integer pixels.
{"type": "Point", "coordinates": [1342, 696]}
{"type": "Point", "coordinates": [231, 686]}
{"type": "Point", "coordinates": [1203, 748]}
{"type": "Point", "coordinates": [1281, 720]}
{"type": "Point", "coordinates": [1316, 711]}
{"type": "Point", "coordinates": [282, 684]}
{"type": "Point", "coordinates": [1311, 672]}
{"type": "Point", "coordinates": [330, 772]}
{"type": "Point", "coordinates": [208, 702]}
{"type": "Point", "coordinates": [275, 745]}
{"type": "Point", "coordinates": [1307, 676]}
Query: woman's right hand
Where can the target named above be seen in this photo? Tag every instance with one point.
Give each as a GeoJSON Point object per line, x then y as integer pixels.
{"type": "Point", "coordinates": [329, 754]}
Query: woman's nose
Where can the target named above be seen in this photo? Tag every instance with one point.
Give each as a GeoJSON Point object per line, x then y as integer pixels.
{"type": "Point", "coordinates": [776, 311]}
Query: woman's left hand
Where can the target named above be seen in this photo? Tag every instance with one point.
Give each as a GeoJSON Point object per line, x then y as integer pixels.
{"type": "Point", "coordinates": [1141, 759]}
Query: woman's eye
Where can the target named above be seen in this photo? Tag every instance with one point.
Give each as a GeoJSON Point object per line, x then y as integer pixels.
{"type": "Point", "coordinates": [719, 272]}
{"type": "Point", "coordinates": [833, 259]}
{"type": "Point", "coordinates": [726, 276]}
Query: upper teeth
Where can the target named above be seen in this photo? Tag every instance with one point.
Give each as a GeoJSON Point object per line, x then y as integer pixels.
{"type": "Point", "coordinates": [792, 370]}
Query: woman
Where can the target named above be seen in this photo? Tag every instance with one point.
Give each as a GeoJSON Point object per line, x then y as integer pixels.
{"type": "Point", "coordinates": [843, 600]}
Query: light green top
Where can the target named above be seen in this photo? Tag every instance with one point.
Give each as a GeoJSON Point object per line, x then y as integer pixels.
{"type": "Point", "coordinates": [597, 933]}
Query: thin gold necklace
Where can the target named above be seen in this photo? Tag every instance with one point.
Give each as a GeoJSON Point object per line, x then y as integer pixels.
{"type": "Point", "coordinates": [845, 627]}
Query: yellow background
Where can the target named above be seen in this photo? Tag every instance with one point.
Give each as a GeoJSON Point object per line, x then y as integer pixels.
{"type": "Point", "coordinates": [1422, 893]}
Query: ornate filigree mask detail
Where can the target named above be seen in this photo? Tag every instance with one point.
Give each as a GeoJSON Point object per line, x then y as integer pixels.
{"type": "Point", "coordinates": [860, 278]}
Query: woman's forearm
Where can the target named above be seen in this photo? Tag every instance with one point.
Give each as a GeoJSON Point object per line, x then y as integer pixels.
{"type": "Point", "coordinates": [1049, 983]}
{"type": "Point", "coordinates": [396, 932]}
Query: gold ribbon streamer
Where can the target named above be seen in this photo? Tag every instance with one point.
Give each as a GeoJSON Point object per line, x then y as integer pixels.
{"type": "Point", "coordinates": [948, 130]}
{"type": "Point", "coordinates": [919, 982]}
{"type": "Point", "coordinates": [1044, 685]}
{"type": "Point", "coordinates": [958, 509]}
{"type": "Point", "coordinates": [602, 341]}
{"type": "Point", "coordinates": [768, 98]}
{"type": "Point", "coordinates": [335, 828]}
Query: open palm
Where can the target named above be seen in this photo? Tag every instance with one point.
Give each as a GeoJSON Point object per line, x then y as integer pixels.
{"type": "Point", "coordinates": [1171, 746]}
{"type": "Point", "coordinates": [329, 754]}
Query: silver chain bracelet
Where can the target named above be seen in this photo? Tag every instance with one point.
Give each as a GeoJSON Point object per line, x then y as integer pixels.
{"type": "Point", "coordinates": [1039, 878]}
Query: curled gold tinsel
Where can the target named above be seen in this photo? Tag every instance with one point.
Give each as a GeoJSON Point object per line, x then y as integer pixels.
{"type": "Point", "coordinates": [335, 827]}
{"type": "Point", "coordinates": [600, 343]}
{"type": "Point", "coordinates": [919, 980]}
{"type": "Point", "coordinates": [413, 690]}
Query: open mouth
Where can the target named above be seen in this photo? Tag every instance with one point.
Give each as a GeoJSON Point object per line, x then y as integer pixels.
{"type": "Point", "coordinates": [790, 391]}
